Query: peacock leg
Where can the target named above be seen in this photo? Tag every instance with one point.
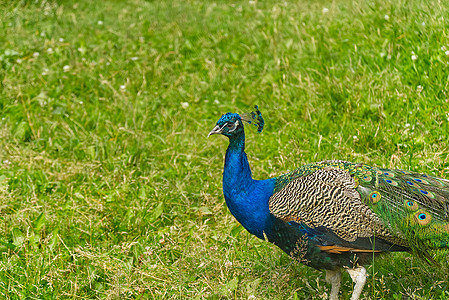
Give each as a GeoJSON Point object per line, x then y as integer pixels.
{"type": "Point", "coordinates": [358, 275]}
{"type": "Point", "coordinates": [334, 278]}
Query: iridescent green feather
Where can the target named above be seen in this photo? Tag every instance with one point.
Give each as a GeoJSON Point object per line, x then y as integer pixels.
{"type": "Point", "coordinates": [414, 206]}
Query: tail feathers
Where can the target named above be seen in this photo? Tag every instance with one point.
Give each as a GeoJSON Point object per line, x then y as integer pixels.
{"type": "Point", "coordinates": [414, 206]}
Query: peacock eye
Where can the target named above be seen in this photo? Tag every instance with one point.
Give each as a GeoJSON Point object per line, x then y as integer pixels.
{"type": "Point", "coordinates": [230, 125]}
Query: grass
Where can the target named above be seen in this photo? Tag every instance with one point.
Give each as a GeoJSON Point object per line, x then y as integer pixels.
{"type": "Point", "coordinates": [109, 187]}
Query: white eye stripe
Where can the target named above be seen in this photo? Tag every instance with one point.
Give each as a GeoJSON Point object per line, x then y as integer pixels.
{"type": "Point", "coordinates": [236, 124]}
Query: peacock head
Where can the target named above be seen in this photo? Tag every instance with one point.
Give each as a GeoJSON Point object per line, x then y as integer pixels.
{"type": "Point", "coordinates": [231, 124]}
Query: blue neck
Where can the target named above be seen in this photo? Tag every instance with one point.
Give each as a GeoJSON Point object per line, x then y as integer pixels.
{"type": "Point", "coordinates": [246, 198]}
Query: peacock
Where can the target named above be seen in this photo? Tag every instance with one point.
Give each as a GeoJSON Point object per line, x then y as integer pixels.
{"type": "Point", "coordinates": [334, 215]}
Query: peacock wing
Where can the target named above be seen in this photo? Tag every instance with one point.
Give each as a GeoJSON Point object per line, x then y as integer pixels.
{"type": "Point", "coordinates": [323, 196]}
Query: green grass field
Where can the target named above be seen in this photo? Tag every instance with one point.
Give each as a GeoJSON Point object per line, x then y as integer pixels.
{"type": "Point", "coordinates": [109, 187]}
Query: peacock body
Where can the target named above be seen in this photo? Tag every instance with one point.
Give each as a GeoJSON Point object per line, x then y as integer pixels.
{"type": "Point", "coordinates": [334, 214]}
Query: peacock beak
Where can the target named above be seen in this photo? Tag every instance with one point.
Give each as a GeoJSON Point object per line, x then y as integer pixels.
{"type": "Point", "coordinates": [217, 130]}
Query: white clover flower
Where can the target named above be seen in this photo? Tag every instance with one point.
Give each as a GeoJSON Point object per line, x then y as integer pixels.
{"type": "Point", "coordinates": [44, 71]}
{"type": "Point", "coordinates": [81, 50]}
{"type": "Point", "coordinates": [355, 137]}
{"type": "Point", "coordinates": [228, 264]}
{"type": "Point", "coordinates": [100, 22]}
{"type": "Point", "coordinates": [81, 102]}
{"type": "Point", "coordinates": [387, 17]}
{"type": "Point", "coordinates": [134, 58]}
{"type": "Point", "coordinates": [446, 52]}
{"type": "Point", "coordinates": [382, 54]}
{"type": "Point", "coordinates": [6, 162]}
{"type": "Point", "coordinates": [49, 50]}
{"type": "Point", "coordinates": [19, 61]}
{"type": "Point", "coordinates": [61, 40]}
{"type": "Point", "coordinates": [414, 57]}
{"type": "Point", "coordinates": [66, 68]}
{"type": "Point", "coordinates": [35, 54]}
{"type": "Point", "coordinates": [419, 88]}
{"type": "Point", "coordinates": [122, 87]}
{"type": "Point", "coordinates": [325, 10]}
{"type": "Point", "coordinates": [407, 125]}
{"type": "Point", "coordinates": [185, 104]}
{"type": "Point", "coordinates": [216, 101]}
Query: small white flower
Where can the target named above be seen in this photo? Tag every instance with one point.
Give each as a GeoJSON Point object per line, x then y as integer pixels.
{"type": "Point", "coordinates": [407, 125]}
{"type": "Point", "coordinates": [446, 52]}
{"type": "Point", "coordinates": [443, 48]}
{"type": "Point", "coordinates": [49, 50]}
{"type": "Point", "coordinates": [61, 40]}
{"type": "Point", "coordinates": [81, 50]}
{"type": "Point", "coordinates": [387, 17]}
{"type": "Point", "coordinates": [81, 102]}
{"type": "Point", "coordinates": [414, 57]}
{"type": "Point", "coordinates": [419, 88]}
{"type": "Point", "coordinates": [325, 10]}
{"type": "Point", "coordinates": [3, 119]}
{"type": "Point", "coordinates": [228, 264]}
{"type": "Point", "coordinates": [19, 61]}
{"type": "Point", "coordinates": [45, 71]}
{"type": "Point", "coordinates": [355, 137]}
{"type": "Point", "coordinates": [172, 228]}
{"type": "Point", "coordinates": [83, 59]}
{"type": "Point", "coordinates": [35, 54]}
{"type": "Point", "coordinates": [100, 22]}
{"type": "Point", "coordinates": [382, 54]}
{"type": "Point", "coordinates": [66, 68]}
{"type": "Point", "coordinates": [216, 101]}
{"type": "Point", "coordinates": [122, 87]}
{"type": "Point", "coordinates": [423, 23]}
{"type": "Point", "coordinates": [6, 161]}
{"type": "Point", "coordinates": [134, 58]}
{"type": "Point", "coordinates": [185, 104]}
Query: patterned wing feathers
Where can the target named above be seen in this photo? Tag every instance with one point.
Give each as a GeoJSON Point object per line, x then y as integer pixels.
{"type": "Point", "coordinates": [327, 197]}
